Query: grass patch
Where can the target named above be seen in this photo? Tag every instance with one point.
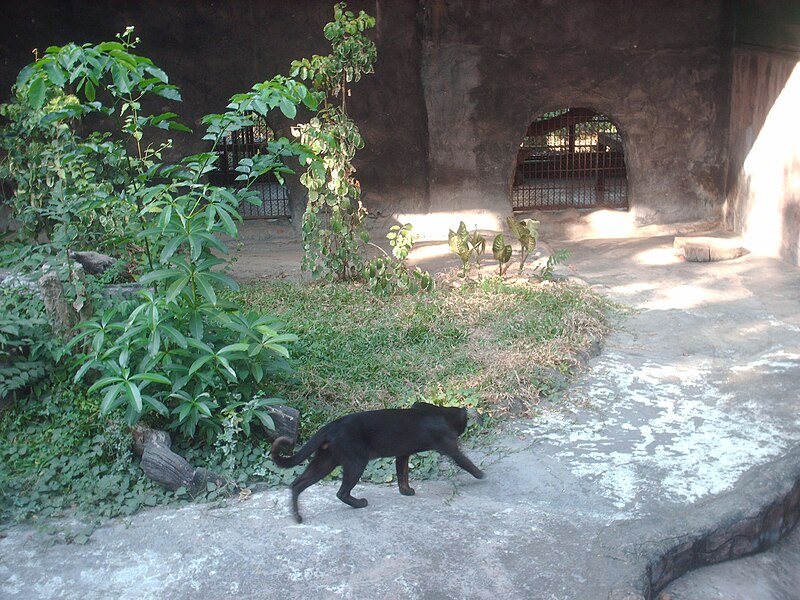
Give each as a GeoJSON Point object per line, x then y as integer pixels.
{"type": "Point", "coordinates": [498, 346]}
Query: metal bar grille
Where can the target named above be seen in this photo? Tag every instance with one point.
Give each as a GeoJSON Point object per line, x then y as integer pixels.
{"type": "Point", "coordinates": [571, 158]}
{"type": "Point", "coordinates": [246, 143]}
{"type": "Point", "coordinates": [274, 201]}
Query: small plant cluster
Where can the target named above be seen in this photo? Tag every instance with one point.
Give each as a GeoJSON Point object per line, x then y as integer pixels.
{"type": "Point", "coordinates": [391, 274]}
{"type": "Point", "coordinates": [59, 459]}
{"type": "Point", "coordinates": [468, 245]}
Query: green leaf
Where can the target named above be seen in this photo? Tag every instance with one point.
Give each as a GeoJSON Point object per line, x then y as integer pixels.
{"type": "Point", "coordinates": [175, 335]}
{"type": "Point", "coordinates": [158, 73]}
{"type": "Point", "coordinates": [82, 371]}
{"type": "Point", "coordinates": [278, 349]}
{"type": "Point", "coordinates": [121, 79]}
{"type": "Point", "coordinates": [184, 410]}
{"type": "Point", "coordinates": [88, 90]}
{"type": "Point", "coordinates": [154, 377]}
{"type": "Point", "coordinates": [196, 326]}
{"type": "Point", "coordinates": [100, 383]}
{"type": "Point", "coordinates": [239, 347]}
{"type": "Point", "coordinates": [111, 400]}
{"type": "Point", "coordinates": [55, 74]}
{"type": "Point", "coordinates": [199, 363]}
{"type": "Point", "coordinates": [227, 223]}
{"type": "Point", "coordinates": [36, 92]}
{"type": "Point", "coordinates": [205, 288]}
{"type": "Point", "coordinates": [283, 338]}
{"type": "Point", "coordinates": [134, 396]}
{"type": "Point", "coordinates": [288, 108]}
{"type": "Point", "coordinates": [159, 275]}
{"type": "Point", "coordinates": [223, 279]}
{"type": "Point", "coordinates": [227, 366]}
{"type": "Point", "coordinates": [177, 287]}
{"type": "Point", "coordinates": [157, 405]}
{"type": "Point", "coordinates": [171, 247]}
{"type": "Point", "coordinates": [155, 343]}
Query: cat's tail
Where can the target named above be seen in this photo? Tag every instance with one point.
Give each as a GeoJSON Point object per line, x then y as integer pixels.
{"type": "Point", "coordinates": [304, 453]}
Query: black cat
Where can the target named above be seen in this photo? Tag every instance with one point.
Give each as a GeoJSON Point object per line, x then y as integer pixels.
{"type": "Point", "coordinates": [355, 439]}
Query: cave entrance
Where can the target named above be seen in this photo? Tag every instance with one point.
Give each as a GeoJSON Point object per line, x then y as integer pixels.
{"type": "Point", "coordinates": [570, 158]}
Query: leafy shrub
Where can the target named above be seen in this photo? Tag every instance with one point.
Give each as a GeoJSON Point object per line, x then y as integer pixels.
{"type": "Point", "coordinates": [502, 253]}
{"type": "Point", "coordinates": [333, 222]}
{"type": "Point", "coordinates": [391, 274]}
{"type": "Point", "coordinates": [27, 348]}
{"type": "Point", "coordinates": [179, 351]}
{"type": "Point", "coordinates": [334, 235]}
{"type": "Point", "coordinates": [527, 234]}
{"type": "Point", "coordinates": [465, 245]}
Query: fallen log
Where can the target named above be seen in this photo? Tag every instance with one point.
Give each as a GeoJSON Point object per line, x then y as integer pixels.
{"type": "Point", "coordinates": [171, 470]}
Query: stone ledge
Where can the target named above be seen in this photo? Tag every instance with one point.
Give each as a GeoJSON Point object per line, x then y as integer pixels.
{"type": "Point", "coordinates": [769, 509]}
{"type": "Point", "coordinates": [708, 249]}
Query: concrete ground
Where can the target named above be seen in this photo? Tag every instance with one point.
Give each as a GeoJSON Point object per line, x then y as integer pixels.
{"type": "Point", "coordinates": [684, 449]}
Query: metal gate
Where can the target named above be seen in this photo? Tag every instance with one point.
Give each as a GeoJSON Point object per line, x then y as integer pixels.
{"type": "Point", "coordinates": [245, 143]}
{"type": "Point", "coordinates": [570, 158]}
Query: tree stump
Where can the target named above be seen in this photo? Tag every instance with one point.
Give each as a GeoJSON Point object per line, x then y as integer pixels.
{"type": "Point", "coordinates": [63, 315]}
{"type": "Point", "coordinates": [708, 249]}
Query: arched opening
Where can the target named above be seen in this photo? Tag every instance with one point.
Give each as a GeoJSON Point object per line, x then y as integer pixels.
{"type": "Point", "coordinates": [245, 143]}
{"type": "Point", "coordinates": [570, 158]}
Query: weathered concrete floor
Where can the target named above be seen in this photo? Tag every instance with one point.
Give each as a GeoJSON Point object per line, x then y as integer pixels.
{"type": "Point", "coordinates": [688, 421]}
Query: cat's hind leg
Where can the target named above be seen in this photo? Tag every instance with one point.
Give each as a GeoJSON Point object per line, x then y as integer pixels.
{"type": "Point", "coordinates": [320, 466]}
{"type": "Point", "coordinates": [351, 473]}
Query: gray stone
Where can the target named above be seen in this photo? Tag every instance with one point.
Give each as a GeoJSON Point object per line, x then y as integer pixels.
{"type": "Point", "coordinates": [94, 263]}
{"type": "Point", "coordinates": [708, 249]}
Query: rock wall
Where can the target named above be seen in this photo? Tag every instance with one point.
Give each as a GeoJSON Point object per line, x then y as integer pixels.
{"type": "Point", "coordinates": [764, 169]}
{"type": "Point", "coordinates": [457, 83]}
{"type": "Point", "coordinates": [659, 70]}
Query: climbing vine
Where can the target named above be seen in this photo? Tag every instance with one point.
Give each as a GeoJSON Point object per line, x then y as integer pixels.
{"type": "Point", "coordinates": [333, 223]}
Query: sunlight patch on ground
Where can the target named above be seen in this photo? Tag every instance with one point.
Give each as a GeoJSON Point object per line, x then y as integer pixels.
{"type": "Point", "coordinates": [434, 226]}
{"type": "Point", "coordinates": [430, 251]}
{"type": "Point", "coordinates": [683, 297]}
{"type": "Point", "coordinates": [657, 256]}
{"type": "Point", "coordinates": [611, 223]}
